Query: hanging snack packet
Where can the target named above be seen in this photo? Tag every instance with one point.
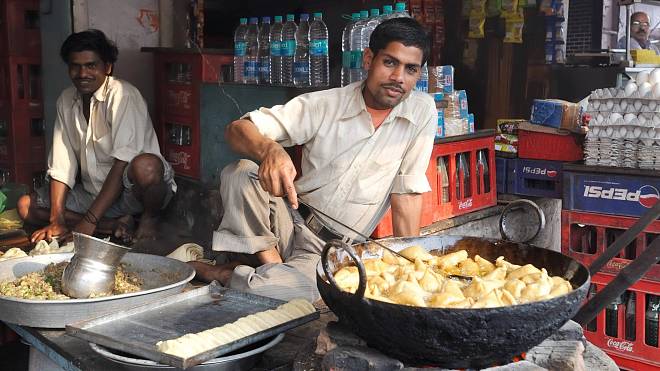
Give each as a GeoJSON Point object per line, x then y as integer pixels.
{"type": "Point", "coordinates": [514, 24]}
{"type": "Point", "coordinates": [476, 25]}
{"type": "Point", "coordinates": [493, 8]}
{"type": "Point", "coordinates": [509, 5]}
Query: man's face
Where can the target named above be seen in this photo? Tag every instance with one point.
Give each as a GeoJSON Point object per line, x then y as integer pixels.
{"type": "Point", "coordinates": [639, 27]}
{"type": "Point", "coordinates": [393, 73]}
{"type": "Point", "coordinates": [87, 71]}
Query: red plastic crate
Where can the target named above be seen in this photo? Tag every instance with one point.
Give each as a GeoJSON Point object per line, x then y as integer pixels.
{"type": "Point", "coordinates": [547, 146]}
{"type": "Point", "coordinates": [584, 236]}
{"type": "Point", "coordinates": [31, 174]}
{"type": "Point", "coordinates": [20, 83]}
{"type": "Point", "coordinates": [433, 209]}
{"type": "Point", "coordinates": [630, 351]}
{"type": "Point", "coordinates": [22, 137]}
{"type": "Point", "coordinates": [20, 33]}
{"type": "Point", "coordinates": [180, 146]}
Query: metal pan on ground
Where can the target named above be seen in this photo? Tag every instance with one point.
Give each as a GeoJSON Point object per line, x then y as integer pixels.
{"type": "Point", "coordinates": [162, 277]}
{"type": "Point", "coordinates": [243, 359]}
{"type": "Point", "coordinates": [137, 330]}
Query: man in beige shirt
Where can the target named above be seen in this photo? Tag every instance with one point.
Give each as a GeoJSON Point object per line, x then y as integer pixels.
{"type": "Point", "coordinates": [365, 146]}
{"type": "Point", "coordinates": [105, 164]}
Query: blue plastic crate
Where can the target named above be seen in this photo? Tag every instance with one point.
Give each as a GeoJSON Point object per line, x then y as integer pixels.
{"type": "Point", "coordinates": [501, 173]}
{"type": "Point", "coordinates": [610, 191]}
{"type": "Point", "coordinates": [537, 178]}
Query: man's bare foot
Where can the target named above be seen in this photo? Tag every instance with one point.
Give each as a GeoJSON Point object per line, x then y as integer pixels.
{"type": "Point", "coordinates": [147, 228]}
{"type": "Point", "coordinates": [124, 228]}
{"type": "Point", "coordinates": [207, 273]}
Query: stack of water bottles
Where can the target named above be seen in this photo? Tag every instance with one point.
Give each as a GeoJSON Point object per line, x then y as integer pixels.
{"type": "Point", "coordinates": [355, 38]}
{"type": "Point", "coordinates": [284, 53]}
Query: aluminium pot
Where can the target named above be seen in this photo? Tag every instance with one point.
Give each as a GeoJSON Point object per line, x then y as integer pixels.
{"type": "Point", "coordinates": [452, 337]}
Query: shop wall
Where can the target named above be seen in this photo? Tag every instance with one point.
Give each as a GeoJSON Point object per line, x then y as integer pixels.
{"type": "Point", "coordinates": [56, 24]}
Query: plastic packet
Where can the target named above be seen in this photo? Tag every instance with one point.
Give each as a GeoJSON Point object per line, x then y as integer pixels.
{"type": "Point", "coordinates": [509, 5]}
{"type": "Point", "coordinates": [493, 8]}
{"type": "Point", "coordinates": [476, 25]}
{"type": "Point", "coordinates": [514, 23]}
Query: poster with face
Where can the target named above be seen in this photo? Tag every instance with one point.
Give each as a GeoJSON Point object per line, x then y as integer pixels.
{"type": "Point", "coordinates": [644, 27]}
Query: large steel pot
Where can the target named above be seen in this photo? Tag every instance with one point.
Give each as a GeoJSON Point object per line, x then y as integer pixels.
{"type": "Point", "coordinates": [452, 338]}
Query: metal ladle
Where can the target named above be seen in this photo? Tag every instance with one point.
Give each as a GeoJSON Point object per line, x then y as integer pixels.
{"type": "Point", "coordinates": [92, 268]}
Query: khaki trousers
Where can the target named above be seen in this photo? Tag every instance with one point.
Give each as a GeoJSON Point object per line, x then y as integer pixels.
{"type": "Point", "coordinates": [256, 221]}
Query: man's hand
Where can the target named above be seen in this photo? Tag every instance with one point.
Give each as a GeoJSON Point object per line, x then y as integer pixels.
{"type": "Point", "coordinates": [85, 227]}
{"type": "Point", "coordinates": [277, 172]}
{"type": "Point", "coordinates": [55, 229]}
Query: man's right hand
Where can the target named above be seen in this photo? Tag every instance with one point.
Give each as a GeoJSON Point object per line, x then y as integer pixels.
{"type": "Point", "coordinates": [56, 229]}
{"type": "Point", "coordinates": [277, 173]}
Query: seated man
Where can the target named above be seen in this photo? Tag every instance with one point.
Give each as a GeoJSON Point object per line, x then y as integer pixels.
{"type": "Point", "coordinates": [364, 145]}
{"type": "Point", "coordinates": [640, 31]}
{"type": "Point", "coordinates": [105, 164]}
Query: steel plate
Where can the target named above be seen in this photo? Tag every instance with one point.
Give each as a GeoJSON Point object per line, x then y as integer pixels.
{"type": "Point", "coordinates": [162, 277]}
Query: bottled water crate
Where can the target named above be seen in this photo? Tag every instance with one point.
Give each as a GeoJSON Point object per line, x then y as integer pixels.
{"type": "Point", "coordinates": [627, 329]}
{"type": "Point", "coordinates": [462, 175]}
{"type": "Point", "coordinates": [608, 190]}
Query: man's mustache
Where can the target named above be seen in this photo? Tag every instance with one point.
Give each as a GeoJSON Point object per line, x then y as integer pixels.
{"type": "Point", "coordinates": [393, 87]}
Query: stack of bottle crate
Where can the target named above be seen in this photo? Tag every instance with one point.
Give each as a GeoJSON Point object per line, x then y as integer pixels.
{"type": "Point", "coordinates": [599, 205]}
{"type": "Point", "coordinates": [22, 131]}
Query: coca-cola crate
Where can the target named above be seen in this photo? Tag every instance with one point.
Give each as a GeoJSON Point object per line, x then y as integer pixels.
{"type": "Point", "coordinates": [31, 174]}
{"type": "Point", "coordinates": [534, 178]}
{"type": "Point", "coordinates": [20, 83]}
{"type": "Point", "coordinates": [584, 236]}
{"type": "Point", "coordinates": [181, 146]}
{"type": "Point", "coordinates": [459, 195]}
{"type": "Point", "coordinates": [627, 330]}
{"type": "Point", "coordinates": [538, 145]}
{"type": "Point", "coordinates": [22, 136]}
{"type": "Point", "coordinates": [606, 190]}
{"type": "Point", "coordinates": [20, 33]}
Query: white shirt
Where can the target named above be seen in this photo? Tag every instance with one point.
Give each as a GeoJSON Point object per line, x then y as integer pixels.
{"type": "Point", "coordinates": [349, 169]}
{"type": "Point", "coordinates": [119, 128]}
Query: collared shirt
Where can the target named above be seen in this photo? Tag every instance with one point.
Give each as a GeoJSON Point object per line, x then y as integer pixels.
{"type": "Point", "coordinates": [634, 44]}
{"type": "Point", "coordinates": [119, 128]}
{"type": "Point", "coordinates": [349, 169]}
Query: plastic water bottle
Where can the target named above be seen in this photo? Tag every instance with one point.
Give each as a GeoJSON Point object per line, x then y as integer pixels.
{"type": "Point", "coordinates": [387, 13]}
{"type": "Point", "coordinates": [346, 50]}
{"type": "Point", "coordinates": [250, 71]}
{"type": "Point", "coordinates": [239, 49]}
{"type": "Point", "coordinates": [319, 69]}
{"type": "Point", "coordinates": [423, 82]}
{"type": "Point", "coordinates": [357, 73]}
{"type": "Point", "coordinates": [372, 23]}
{"type": "Point", "coordinates": [264, 51]}
{"type": "Point", "coordinates": [275, 58]}
{"type": "Point", "coordinates": [400, 10]}
{"type": "Point", "coordinates": [301, 59]}
{"type": "Point", "coordinates": [288, 49]}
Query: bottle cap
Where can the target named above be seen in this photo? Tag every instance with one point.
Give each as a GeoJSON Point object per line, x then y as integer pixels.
{"type": "Point", "coordinates": [355, 16]}
{"type": "Point", "coordinates": [278, 18]}
{"type": "Point", "coordinates": [265, 19]}
{"type": "Point", "coordinates": [254, 20]}
{"type": "Point", "coordinates": [318, 15]}
{"type": "Point", "coordinates": [375, 12]}
{"type": "Point", "coordinates": [400, 7]}
{"type": "Point", "coordinates": [304, 17]}
{"type": "Point", "coordinates": [243, 20]}
{"type": "Point", "coordinates": [387, 9]}
{"type": "Point", "coordinates": [364, 14]}
{"type": "Point", "coordinates": [290, 17]}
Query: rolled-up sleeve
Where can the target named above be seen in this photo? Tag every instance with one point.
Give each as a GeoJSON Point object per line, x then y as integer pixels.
{"type": "Point", "coordinates": [290, 124]}
{"type": "Point", "coordinates": [130, 124]}
{"type": "Point", "coordinates": [412, 172]}
{"type": "Point", "coordinates": [62, 160]}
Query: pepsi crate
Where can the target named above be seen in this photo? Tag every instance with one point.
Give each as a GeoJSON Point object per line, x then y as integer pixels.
{"type": "Point", "coordinates": [535, 178]}
{"type": "Point", "coordinates": [606, 190]}
{"type": "Point", "coordinates": [627, 329]}
{"type": "Point", "coordinates": [502, 166]}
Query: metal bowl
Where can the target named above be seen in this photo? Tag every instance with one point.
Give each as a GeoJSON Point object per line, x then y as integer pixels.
{"type": "Point", "coordinates": [162, 277]}
{"type": "Point", "coordinates": [245, 360]}
{"type": "Point", "coordinates": [448, 337]}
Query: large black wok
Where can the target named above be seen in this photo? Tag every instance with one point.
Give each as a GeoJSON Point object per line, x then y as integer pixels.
{"type": "Point", "coordinates": [453, 338]}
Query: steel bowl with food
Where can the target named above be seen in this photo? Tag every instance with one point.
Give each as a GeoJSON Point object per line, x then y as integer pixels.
{"type": "Point", "coordinates": [452, 337]}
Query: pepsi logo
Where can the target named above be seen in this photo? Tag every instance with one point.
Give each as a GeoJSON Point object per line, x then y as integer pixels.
{"type": "Point", "coordinates": [552, 173]}
{"type": "Point", "coordinates": [648, 196]}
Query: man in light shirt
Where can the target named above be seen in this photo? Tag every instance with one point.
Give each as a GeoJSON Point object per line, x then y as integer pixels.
{"type": "Point", "coordinates": [640, 31]}
{"type": "Point", "coordinates": [105, 164]}
{"type": "Point", "coordinates": [365, 146]}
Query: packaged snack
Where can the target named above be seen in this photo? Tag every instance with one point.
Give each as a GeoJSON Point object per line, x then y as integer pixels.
{"type": "Point", "coordinates": [476, 26]}
{"type": "Point", "coordinates": [493, 8]}
{"type": "Point", "coordinates": [509, 5]}
{"type": "Point", "coordinates": [441, 79]}
{"type": "Point", "coordinates": [509, 126]}
{"type": "Point", "coordinates": [514, 23]}
{"type": "Point", "coordinates": [462, 104]}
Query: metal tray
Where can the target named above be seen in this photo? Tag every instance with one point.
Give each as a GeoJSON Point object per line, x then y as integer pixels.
{"type": "Point", "coordinates": [162, 277]}
{"type": "Point", "coordinates": [242, 360]}
{"type": "Point", "coordinates": [137, 330]}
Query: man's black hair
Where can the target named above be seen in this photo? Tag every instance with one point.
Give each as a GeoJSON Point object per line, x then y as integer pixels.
{"type": "Point", "coordinates": [405, 30]}
{"type": "Point", "coordinates": [90, 40]}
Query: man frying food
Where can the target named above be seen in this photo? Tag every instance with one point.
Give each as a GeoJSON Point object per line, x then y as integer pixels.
{"type": "Point", "coordinates": [366, 146]}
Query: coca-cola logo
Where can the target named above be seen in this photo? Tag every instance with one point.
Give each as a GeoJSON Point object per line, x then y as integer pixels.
{"type": "Point", "coordinates": [616, 265]}
{"type": "Point", "coordinates": [179, 158]}
{"type": "Point", "coordinates": [624, 346]}
{"type": "Point", "coordinates": [465, 204]}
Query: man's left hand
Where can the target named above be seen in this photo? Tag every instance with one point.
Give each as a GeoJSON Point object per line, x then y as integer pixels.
{"type": "Point", "coordinates": [85, 227]}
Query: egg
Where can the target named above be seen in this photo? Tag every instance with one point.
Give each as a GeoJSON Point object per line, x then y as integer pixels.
{"type": "Point", "coordinates": [655, 76]}
{"type": "Point", "coordinates": [609, 104]}
{"type": "Point", "coordinates": [642, 77]}
{"type": "Point", "coordinates": [637, 132]}
{"type": "Point", "coordinates": [656, 90]}
{"type": "Point", "coordinates": [629, 117]}
{"type": "Point", "coordinates": [621, 132]}
{"type": "Point", "coordinates": [641, 120]}
{"type": "Point", "coordinates": [630, 88]}
{"type": "Point", "coordinates": [609, 131]}
{"type": "Point", "coordinates": [595, 104]}
{"type": "Point", "coordinates": [599, 119]}
{"type": "Point", "coordinates": [614, 118]}
{"type": "Point", "coordinates": [656, 120]}
{"type": "Point", "coordinates": [644, 89]}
